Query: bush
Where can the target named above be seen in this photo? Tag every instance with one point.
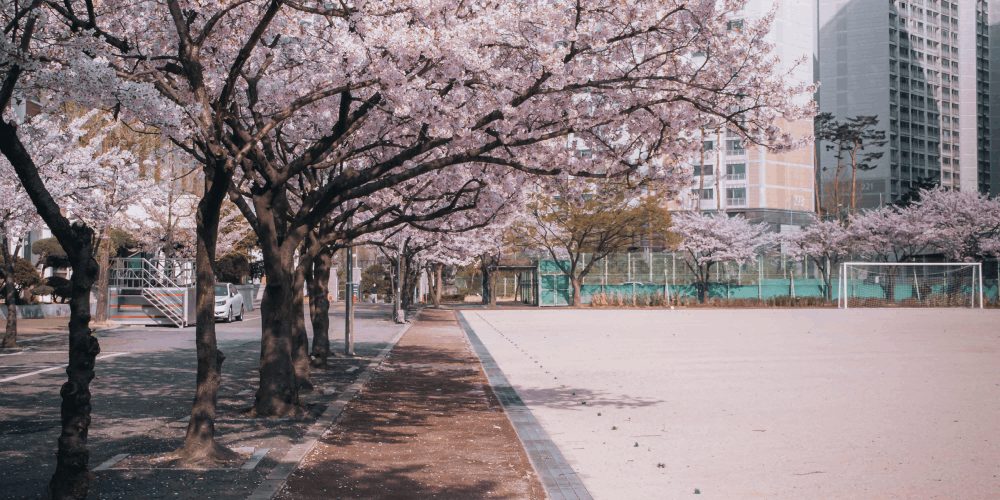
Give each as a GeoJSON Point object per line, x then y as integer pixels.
{"type": "Point", "coordinates": [232, 268]}
{"type": "Point", "coordinates": [658, 300]}
{"type": "Point", "coordinates": [25, 275]}
{"type": "Point", "coordinates": [61, 288]}
{"type": "Point", "coordinates": [376, 278]}
{"type": "Point", "coordinates": [50, 252]}
{"type": "Point", "coordinates": [42, 290]}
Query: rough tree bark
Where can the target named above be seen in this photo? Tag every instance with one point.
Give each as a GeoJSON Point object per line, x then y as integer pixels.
{"type": "Point", "coordinates": [438, 285]}
{"type": "Point", "coordinates": [199, 441]}
{"type": "Point", "coordinates": [300, 339]}
{"type": "Point", "coordinates": [489, 280]}
{"type": "Point", "coordinates": [71, 478]}
{"type": "Point", "coordinates": [318, 281]}
{"type": "Point", "coordinates": [278, 392]}
{"type": "Point", "coordinates": [103, 275]}
{"type": "Point", "coordinates": [10, 296]}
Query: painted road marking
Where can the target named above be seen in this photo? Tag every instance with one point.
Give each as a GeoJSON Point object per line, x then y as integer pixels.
{"type": "Point", "coordinates": [53, 368]}
{"type": "Point", "coordinates": [107, 464]}
{"type": "Point", "coordinates": [255, 458]}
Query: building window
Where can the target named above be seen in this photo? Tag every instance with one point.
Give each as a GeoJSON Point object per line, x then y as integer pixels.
{"type": "Point", "coordinates": [707, 145]}
{"type": "Point", "coordinates": [700, 170]}
{"type": "Point", "coordinates": [736, 196]}
{"type": "Point", "coordinates": [736, 171]}
{"type": "Point", "coordinates": [705, 194]}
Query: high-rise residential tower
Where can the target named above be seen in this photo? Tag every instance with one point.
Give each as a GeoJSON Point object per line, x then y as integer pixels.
{"type": "Point", "coordinates": [734, 177]}
{"type": "Point", "coordinates": [922, 67]}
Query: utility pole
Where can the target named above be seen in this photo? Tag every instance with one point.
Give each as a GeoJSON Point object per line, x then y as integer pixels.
{"type": "Point", "coordinates": [349, 305]}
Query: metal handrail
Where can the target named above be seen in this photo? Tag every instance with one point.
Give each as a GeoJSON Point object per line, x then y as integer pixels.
{"type": "Point", "coordinates": [146, 273]}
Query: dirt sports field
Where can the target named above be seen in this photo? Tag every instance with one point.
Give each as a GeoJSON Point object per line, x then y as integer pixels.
{"type": "Point", "coordinates": [800, 403]}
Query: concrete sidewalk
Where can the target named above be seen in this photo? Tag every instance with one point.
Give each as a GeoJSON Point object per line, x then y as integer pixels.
{"type": "Point", "coordinates": [428, 425]}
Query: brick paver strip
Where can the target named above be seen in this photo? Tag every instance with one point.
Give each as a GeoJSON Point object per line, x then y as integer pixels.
{"type": "Point", "coordinates": [279, 474]}
{"type": "Point", "coordinates": [558, 477]}
{"type": "Point", "coordinates": [427, 425]}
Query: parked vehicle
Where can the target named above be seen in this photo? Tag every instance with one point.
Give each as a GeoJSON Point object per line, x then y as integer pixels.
{"type": "Point", "coordinates": [228, 302]}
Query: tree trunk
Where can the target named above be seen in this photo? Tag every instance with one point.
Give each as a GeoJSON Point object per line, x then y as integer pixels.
{"type": "Point", "coordinates": [10, 297]}
{"type": "Point", "coordinates": [703, 277]}
{"type": "Point", "coordinates": [575, 282]}
{"type": "Point", "coordinates": [319, 306]}
{"type": "Point", "coordinates": [411, 277]}
{"type": "Point", "coordinates": [818, 180]}
{"type": "Point", "coordinates": [103, 274]}
{"type": "Point", "coordinates": [278, 393]}
{"type": "Point", "coordinates": [438, 284]}
{"type": "Point", "coordinates": [200, 446]}
{"type": "Point", "coordinates": [827, 284]}
{"type": "Point", "coordinates": [854, 188]}
{"type": "Point", "coordinates": [300, 339]}
{"type": "Point", "coordinates": [836, 186]}
{"type": "Point", "coordinates": [71, 478]}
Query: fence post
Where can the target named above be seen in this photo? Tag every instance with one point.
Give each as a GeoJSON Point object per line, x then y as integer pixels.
{"type": "Point", "coordinates": [628, 263]}
{"type": "Point", "coordinates": [760, 279]}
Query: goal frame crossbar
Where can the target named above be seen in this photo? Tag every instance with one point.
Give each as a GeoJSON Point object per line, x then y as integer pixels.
{"type": "Point", "coordinates": [977, 275]}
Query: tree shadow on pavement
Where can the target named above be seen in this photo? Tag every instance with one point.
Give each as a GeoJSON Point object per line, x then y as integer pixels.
{"type": "Point", "coordinates": [567, 398]}
{"type": "Point", "coordinates": [357, 480]}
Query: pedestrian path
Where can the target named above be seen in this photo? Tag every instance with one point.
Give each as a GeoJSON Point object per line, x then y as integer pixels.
{"type": "Point", "coordinates": [427, 425]}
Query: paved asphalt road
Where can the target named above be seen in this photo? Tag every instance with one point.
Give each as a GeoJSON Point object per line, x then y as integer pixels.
{"type": "Point", "coordinates": [142, 396]}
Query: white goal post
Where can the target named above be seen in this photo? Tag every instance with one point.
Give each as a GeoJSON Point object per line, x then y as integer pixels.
{"type": "Point", "coordinates": [910, 284]}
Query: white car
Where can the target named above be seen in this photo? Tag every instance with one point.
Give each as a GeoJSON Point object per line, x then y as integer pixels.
{"type": "Point", "coordinates": [228, 302]}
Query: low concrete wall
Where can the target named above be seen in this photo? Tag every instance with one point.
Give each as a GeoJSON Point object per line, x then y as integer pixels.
{"type": "Point", "coordinates": [249, 293]}
{"type": "Point", "coordinates": [39, 311]}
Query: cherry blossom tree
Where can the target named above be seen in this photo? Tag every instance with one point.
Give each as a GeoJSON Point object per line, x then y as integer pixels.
{"type": "Point", "coordinates": [961, 222]}
{"type": "Point", "coordinates": [268, 96]}
{"type": "Point", "coordinates": [17, 216]}
{"type": "Point", "coordinates": [709, 239]}
{"type": "Point", "coordinates": [164, 218]}
{"type": "Point", "coordinates": [826, 242]}
{"type": "Point", "coordinates": [100, 183]}
{"type": "Point", "coordinates": [580, 222]}
{"type": "Point", "coordinates": [891, 234]}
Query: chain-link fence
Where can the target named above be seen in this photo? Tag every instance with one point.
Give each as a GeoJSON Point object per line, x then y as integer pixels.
{"type": "Point", "coordinates": [664, 277]}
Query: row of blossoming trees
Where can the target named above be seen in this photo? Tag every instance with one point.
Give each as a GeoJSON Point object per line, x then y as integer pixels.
{"type": "Point", "coordinates": [953, 225]}
{"type": "Point", "coordinates": [329, 122]}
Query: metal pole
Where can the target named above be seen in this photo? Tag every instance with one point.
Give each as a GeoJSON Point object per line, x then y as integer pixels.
{"type": "Point", "coordinates": [349, 305]}
{"type": "Point", "coordinates": [398, 299]}
{"type": "Point", "coordinates": [981, 305]}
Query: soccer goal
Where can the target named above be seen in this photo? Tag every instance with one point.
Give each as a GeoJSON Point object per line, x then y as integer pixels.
{"type": "Point", "coordinates": [899, 284]}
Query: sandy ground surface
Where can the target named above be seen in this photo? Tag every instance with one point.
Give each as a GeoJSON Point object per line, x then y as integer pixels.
{"type": "Point", "coordinates": [762, 403]}
{"type": "Point", "coordinates": [142, 396]}
{"type": "Point", "coordinates": [426, 426]}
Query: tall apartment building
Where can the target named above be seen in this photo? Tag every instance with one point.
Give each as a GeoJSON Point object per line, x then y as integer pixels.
{"type": "Point", "coordinates": [736, 178]}
{"type": "Point", "coordinates": [994, 32]}
{"type": "Point", "coordinates": [921, 66]}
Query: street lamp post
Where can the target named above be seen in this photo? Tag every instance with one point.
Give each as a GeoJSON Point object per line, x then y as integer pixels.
{"type": "Point", "coordinates": [349, 305]}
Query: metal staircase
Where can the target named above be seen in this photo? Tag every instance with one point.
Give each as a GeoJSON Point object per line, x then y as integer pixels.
{"type": "Point", "coordinates": [163, 283]}
{"type": "Point", "coordinates": [167, 303]}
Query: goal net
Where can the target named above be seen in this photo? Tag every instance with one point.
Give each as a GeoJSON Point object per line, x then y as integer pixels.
{"type": "Point", "coordinates": [866, 284]}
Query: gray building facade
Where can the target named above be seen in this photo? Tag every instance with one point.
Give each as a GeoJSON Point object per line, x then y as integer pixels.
{"type": "Point", "coordinates": [921, 66]}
